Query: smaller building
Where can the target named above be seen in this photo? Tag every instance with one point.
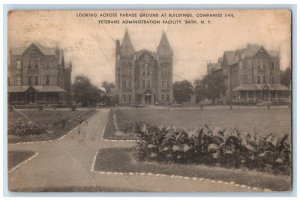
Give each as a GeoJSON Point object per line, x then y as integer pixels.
{"type": "Point", "coordinates": [38, 75]}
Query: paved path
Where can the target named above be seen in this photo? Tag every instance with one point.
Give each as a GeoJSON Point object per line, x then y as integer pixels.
{"type": "Point", "coordinates": [68, 162]}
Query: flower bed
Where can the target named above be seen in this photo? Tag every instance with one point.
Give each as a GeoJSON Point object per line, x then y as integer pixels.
{"type": "Point", "coordinates": [24, 128]}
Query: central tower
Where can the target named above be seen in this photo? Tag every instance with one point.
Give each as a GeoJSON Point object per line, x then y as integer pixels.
{"type": "Point", "coordinates": [144, 77]}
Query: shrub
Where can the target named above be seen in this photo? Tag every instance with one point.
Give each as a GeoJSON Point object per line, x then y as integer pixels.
{"type": "Point", "coordinates": [25, 128]}
{"type": "Point", "coordinates": [213, 147]}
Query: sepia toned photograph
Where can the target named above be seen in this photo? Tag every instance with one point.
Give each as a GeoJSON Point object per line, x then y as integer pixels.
{"type": "Point", "coordinates": [149, 100]}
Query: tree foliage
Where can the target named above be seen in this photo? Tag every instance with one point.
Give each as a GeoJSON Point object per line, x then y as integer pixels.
{"type": "Point", "coordinates": [108, 86]}
{"type": "Point", "coordinates": [286, 77]}
{"type": "Point", "coordinates": [211, 86]}
{"type": "Point", "coordinates": [85, 92]}
{"type": "Point", "coordinates": [182, 91]}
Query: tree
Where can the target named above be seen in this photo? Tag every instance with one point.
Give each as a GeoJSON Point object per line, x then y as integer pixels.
{"type": "Point", "coordinates": [212, 86]}
{"type": "Point", "coordinates": [200, 90]}
{"type": "Point", "coordinates": [107, 86]}
{"type": "Point", "coordinates": [286, 77]}
{"type": "Point", "coordinates": [182, 91]}
{"type": "Point", "coordinates": [85, 92]}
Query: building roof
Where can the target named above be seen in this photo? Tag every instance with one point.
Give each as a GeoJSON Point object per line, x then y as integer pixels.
{"type": "Point", "coordinates": [164, 47]}
{"type": "Point", "coordinates": [44, 50]}
{"type": "Point", "coordinates": [230, 57]}
{"type": "Point", "coordinates": [247, 87]}
{"type": "Point", "coordinates": [258, 87]}
{"type": "Point", "coordinates": [17, 89]}
{"type": "Point", "coordinates": [38, 88]}
{"type": "Point", "coordinates": [48, 88]}
{"type": "Point", "coordinates": [278, 87]}
{"type": "Point", "coordinates": [126, 46]}
{"type": "Point", "coordinates": [252, 49]}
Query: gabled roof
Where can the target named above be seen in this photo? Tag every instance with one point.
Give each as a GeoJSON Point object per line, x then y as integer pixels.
{"type": "Point", "coordinates": [164, 47]}
{"type": "Point", "coordinates": [251, 50]}
{"type": "Point", "coordinates": [44, 50]}
{"type": "Point", "coordinates": [230, 57]}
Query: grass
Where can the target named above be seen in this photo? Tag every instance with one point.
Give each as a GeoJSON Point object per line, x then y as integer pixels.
{"type": "Point", "coordinates": [17, 157]}
{"type": "Point", "coordinates": [263, 120]}
{"type": "Point", "coordinates": [47, 117]}
{"type": "Point", "coordinates": [110, 130]}
{"type": "Point", "coordinates": [121, 160]}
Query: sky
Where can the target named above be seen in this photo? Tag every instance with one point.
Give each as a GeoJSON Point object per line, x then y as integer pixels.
{"type": "Point", "coordinates": [91, 45]}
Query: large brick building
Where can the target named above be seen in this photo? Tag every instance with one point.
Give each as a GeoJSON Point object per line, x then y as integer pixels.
{"type": "Point", "coordinates": [252, 75]}
{"type": "Point", "coordinates": [38, 75]}
{"type": "Point", "coordinates": [144, 77]}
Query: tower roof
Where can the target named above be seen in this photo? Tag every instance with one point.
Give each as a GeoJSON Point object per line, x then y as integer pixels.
{"type": "Point", "coordinates": [126, 47]}
{"type": "Point", "coordinates": [164, 47]}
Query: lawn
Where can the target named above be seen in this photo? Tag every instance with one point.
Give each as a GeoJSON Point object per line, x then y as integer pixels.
{"type": "Point", "coordinates": [121, 160]}
{"type": "Point", "coordinates": [47, 117]}
{"type": "Point", "coordinates": [17, 157]}
{"type": "Point", "coordinates": [110, 130]}
{"type": "Point", "coordinates": [263, 120]}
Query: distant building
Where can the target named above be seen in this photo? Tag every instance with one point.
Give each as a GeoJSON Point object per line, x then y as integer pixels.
{"type": "Point", "coordinates": [144, 77]}
{"type": "Point", "coordinates": [252, 75]}
{"type": "Point", "coordinates": [38, 75]}
{"type": "Point", "coordinates": [212, 67]}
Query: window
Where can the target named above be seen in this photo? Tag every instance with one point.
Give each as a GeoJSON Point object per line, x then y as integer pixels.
{"type": "Point", "coordinates": [19, 80]}
{"type": "Point", "coordinates": [167, 83]}
{"type": "Point", "coordinates": [249, 63]}
{"type": "Point", "coordinates": [47, 80]}
{"type": "Point", "coordinates": [261, 64]}
{"type": "Point", "coordinates": [47, 64]}
{"type": "Point", "coordinates": [148, 83]}
{"type": "Point", "coordinates": [162, 96]}
{"type": "Point", "coordinates": [129, 97]}
{"type": "Point", "coordinates": [8, 81]}
{"type": "Point", "coordinates": [167, 97]}
{"type": "Point", "coordinates": [273, 65]}
{"type": "Point", "coordinates": [245, 79]}
{"type": "Point", "coordinates": [124, 84]}
{"type": "Point", "coordinates": [19, 64]}
{"type": "Point", "coordinates": [148, 71]}
{"type": "Point", "coordinates": [129, 84]}
{"type": "Point", "coordinates": [264, 79]}
{"type": "Point", "coordinates": [162, 83]}
{"type": "Point", "coordinates": [273, 79]}
{"type": "Point", "coordinates": [36, 80]}
{"type": "Point", "coordinates": [258, 79]}
{"type": "Point", "coordinates": [143, 73]}
{"type": "Point", "coordinates": [143, 83]}
{"type": "Point", "coordinates": [29, 80]}
{"type": "Point", "coordinates": [124, 97]}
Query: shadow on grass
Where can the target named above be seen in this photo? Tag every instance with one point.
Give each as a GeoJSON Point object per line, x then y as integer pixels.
{"type": "Point", "coordinates": [17, 157]}
{"type": "Point", "coordinates": [121, 160]}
